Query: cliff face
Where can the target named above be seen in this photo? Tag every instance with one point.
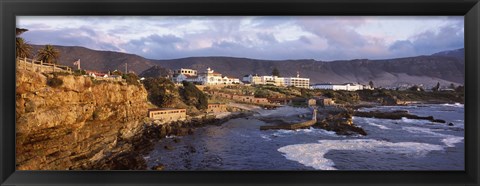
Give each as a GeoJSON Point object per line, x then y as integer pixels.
{"type": "Point", "coordinates": [75, 124]}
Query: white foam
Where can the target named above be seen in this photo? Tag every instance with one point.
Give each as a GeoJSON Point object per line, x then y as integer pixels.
{"type": "Point", "coordinates": [452, 140]}
{"type": "Point", "coordinates": [311, 130]}
{"type": "Point", "coordinates": [265, 137]}
{"type": "Point", "coordinates": [414, 121]}
{"type": "Point", "coordinates": [448, 140]}
{"type": "Point", "coordinates": [313, 154]}
{"type": "Point", "coordinates": [283, 111]}
{"type": "Point", "coordinates": [376, 125]}
{"type": "Point", "coordinates": [454, 105]}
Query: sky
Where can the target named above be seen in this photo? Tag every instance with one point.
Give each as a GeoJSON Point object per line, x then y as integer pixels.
{"type": "Point", "coordinates": [323, 38]}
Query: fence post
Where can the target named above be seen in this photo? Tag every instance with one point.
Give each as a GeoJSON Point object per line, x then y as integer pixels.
{"type": "Point", "coordinates": [54, 67]}
{"type": "Point", "coordinates": [33, 64]}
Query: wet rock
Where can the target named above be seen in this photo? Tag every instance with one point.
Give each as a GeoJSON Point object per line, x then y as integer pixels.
{"type": "Point", "coordinates": [191, 149]}
{"type": "Point", "coordinates": [450, 124]}
{"type": "Point", "coordinates": [158, 167]}
{"type": "Point", "coordinates": [395, 115]}
{"type": "Point", "coordinates": [341, 123]}
{"type": "Point", "coordinates": [439, 121]}
{"type": "Point", "coordinates": [176, 140]}
{"type": "Point", "coordinates": [168, 147]}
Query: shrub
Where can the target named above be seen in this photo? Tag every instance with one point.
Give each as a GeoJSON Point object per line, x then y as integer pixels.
{"type": "Point", "coordinates": [160, 91]}
{"type": "Point", "coordinates": [54, 82]}
{"type": "Point", "coordinates": [131, 79]}
{"type": "Point", "coordinates": [193, 96]}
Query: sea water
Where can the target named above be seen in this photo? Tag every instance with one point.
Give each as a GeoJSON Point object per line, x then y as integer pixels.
{"type": "Point", "coordinates": [405, 144]}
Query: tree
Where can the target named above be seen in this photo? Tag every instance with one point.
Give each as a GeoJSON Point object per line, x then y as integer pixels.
{"type": "Point", "coordinates": [193, 96]}
{"type": "Point", "coordinates": [437, 87]}
{"type": "Point", "coordinates": [275, 72]}
{"type": "Point", "coordinates": [160, 91]}
{"type": "Point", "coordinates": [22, 48]}
{"type": "Point", "coordinates": [415, 88]}
{"type": "Point", "coordinates": [452, 86]}
{"type": "Point", "coordinates": [371, 84]}
{"type": "Point", "coordinates": [131, 78]}
{"type": "Point", "coordinates": [48, 54]}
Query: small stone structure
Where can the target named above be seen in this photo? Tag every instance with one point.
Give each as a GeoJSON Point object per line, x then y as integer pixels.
{"type": "Point", "coordinates": [324, 101]}
{"type": "Point", "coordinates": [216, 107]}
{"type": "Point", "coordinates": [311, 102]}
{"type": "Point", "coordinates": [167, 114]}
{"type": "Point", "coordinates": [241, 98]}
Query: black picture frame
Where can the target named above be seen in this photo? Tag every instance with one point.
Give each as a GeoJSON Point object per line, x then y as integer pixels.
{"type": "Point", "coordinates": [11, 8]}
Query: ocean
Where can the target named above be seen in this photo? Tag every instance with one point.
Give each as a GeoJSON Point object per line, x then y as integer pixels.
{"type": "Point", "coordinates": [405, 144]}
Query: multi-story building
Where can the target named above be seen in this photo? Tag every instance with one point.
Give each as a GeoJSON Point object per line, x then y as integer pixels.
{"type": "Point", "coordinates": [208, 77]}
{"type": "Point", "coordinates": [297, 82]}
{"type": "Point", "coordinates": [278, 81]}
{"type": "Point", "coordinates": [186, 71]}
{"type": "Point", "coordinates": [345, 86]}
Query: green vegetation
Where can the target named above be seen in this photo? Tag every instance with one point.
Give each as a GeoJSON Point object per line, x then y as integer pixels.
{"type": "Point", "coordinates": [48, 54]}
{"type": "Point", "coordinates": [415, 93]}
{"type": "Point", "coordinates": [275, 72]}
{"type": "Point", "coordinates": [22, 48]}
{"type": "Point", "coordinates": [131, 79]}
{"type": "Point", "coordinates": [54, 81]}
{"type": "Point", "coordinates": [193, 96]}
{"type": "Point", "coordinates": [79, 72]}
{"type": "Point", "coordinates": [160, 91]}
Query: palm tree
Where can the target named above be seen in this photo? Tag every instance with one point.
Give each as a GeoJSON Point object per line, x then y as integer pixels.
{"type": "Point", "coordinates": [22, 48]}
{"type": "Point", "coordinates": [48, 54]}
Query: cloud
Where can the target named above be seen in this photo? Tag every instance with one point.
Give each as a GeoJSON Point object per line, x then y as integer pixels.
{"type": "Point", "coordinates": [445, 38]}
{"type": "Point", "coordinates": [261, 37]}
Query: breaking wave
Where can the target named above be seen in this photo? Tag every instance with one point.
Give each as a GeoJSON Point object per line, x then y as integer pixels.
{"type": "Point", "coordinates": [313, 154]}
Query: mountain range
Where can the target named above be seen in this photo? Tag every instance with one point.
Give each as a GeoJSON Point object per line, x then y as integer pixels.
{"type": "Point", "coordinates": [445, 67]}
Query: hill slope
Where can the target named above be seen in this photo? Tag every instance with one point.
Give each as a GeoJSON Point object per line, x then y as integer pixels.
{"type": "Point", "coordinates": [444, 67]}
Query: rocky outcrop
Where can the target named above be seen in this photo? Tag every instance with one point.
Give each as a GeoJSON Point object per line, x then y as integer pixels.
{"type": "Point", "coordinates": [341, 124]}
{"type": "Point", "coordinates": [77, 123]}
{"type": "Point", "coordinates": [396, 115]}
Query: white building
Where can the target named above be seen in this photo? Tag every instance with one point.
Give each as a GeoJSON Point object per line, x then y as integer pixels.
{"type": "Point", "coordinates": [186, 71]}
{"type": "Point", "coordinates": [345, 86]}
{"type": "Point", "coordinates": [278, 81]}
{"type": "Point", "coordinates": [209, 77]}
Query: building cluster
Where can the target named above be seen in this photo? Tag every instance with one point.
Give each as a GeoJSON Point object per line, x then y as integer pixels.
{"type": "Point", "coordinates": [167, 114]}
{"type": "Point", "coordinates": [103, 76]}
{"type": "Point", "coordinates": [277, 81]}
{"type": "Point", "coordinates": [241, 98]}
{"type": "Point", "coordinates": [345, 86]}
{"type": "Point", "coordinates": [208, 77]}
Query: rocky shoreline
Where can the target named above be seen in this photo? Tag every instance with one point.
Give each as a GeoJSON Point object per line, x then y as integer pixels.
{"type": "Point", "coordinates": [129, 154]}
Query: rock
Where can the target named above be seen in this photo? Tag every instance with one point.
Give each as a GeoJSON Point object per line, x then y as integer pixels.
{"type": "Point", "coordinates": [158, 167]}
{"type": "Point", "coordinates": [450, 124]}
{"type": "Point", "coordinates": [395, 115]}
{"type": "Point", "coordinates": [55, 126]}
{"type": "Point", "coordinates": [176, 140]}
{"type": "Point", "coordinates": [168, 147]}
{"type": "Point", "coordinates": [439, 121]}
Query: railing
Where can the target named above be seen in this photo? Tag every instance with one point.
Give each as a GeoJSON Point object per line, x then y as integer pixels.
{"type": "Point", "coordinates": [40, 66]}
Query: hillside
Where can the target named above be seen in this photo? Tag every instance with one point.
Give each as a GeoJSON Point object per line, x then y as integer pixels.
{"type": "Point", "coordinates": [100, 60]}
{"type": "Point", "coordinates": [444, 67]}
{"type": "Point", "coordinates": [422, 69]}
